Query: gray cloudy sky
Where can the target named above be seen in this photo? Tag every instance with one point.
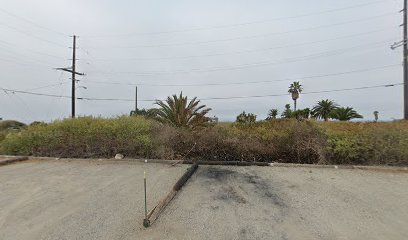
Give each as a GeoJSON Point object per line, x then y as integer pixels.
{"type": "Point", "coordinates": [199, 42]}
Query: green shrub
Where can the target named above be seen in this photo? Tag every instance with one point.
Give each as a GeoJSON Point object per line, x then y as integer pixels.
{"type": "Point", "coordinates": [246, 118]}
{"type": "Point", "coordinates": [282, 140]}
{"type": "Point", "coordinates": [83, 137]}
{"type": "Point", "coordinates": [367, 143]}
{"type": "Point", "coordinates": [10, 124]}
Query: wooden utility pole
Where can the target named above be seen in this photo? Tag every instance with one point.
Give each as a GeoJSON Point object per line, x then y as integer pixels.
{"type": "Point", "coordinates": [73, 77]}
{"type": "Point", "coordinates": [136, 101]}
{"type": "Point", "coordinates": [405, 45]}
{"type": "Point", "coordinates": [73, 71]}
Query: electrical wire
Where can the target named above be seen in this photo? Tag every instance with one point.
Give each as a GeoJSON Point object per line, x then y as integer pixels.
{"type": "Point", "coordinates": [210, 98]}
{"type": "Point", "coordinates": [249, 37]}
{"type": "Point", "coordinates": [245, 51]}
{"type": "Point", "coordinates": [48, 86]}
{"type": "Point", "coordinates": [24, 63]}
{"type": "Point", "coordinates": [33, 23]}
{"type": "Point", "coordinates": [305, 93]}
{"type": "Point", "coordinates": [248, 82]}
{"type": "Point", "coordinates": [33, 36]}
{"type": "Point", "coordinates": [18, 57]}
{"type": "Point", "coordinates": [30, 50]}
{"type": "Point", "coordinates": [240, 24]}
{"type": "Point", "coordinates": [249, 65]}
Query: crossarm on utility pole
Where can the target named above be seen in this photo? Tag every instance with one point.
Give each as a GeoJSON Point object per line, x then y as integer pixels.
{"type": "Point", "coordinates": [70, 71]}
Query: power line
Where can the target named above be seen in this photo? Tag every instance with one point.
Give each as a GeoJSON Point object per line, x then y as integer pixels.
{"type": "Point", "coordinates": [47, 86]}
{"type": "Point", "coordinates": [32, 23]}
{"type": "Point", "coordinates": [303, 93]}
{"type": "Point", "coordinates": [210, 98]}
{"type": "Point", "coordinates": [33, 93]}
{"type": "Point", "coordinates": [250, 65]}
{"type": "Point", "coordinates": [251, 36]}
{"type": "Point", "coordinates": [248, 82]}
{"type": "Point", "coordinates": [33, 36]}
{"type": "Point", "coordinates": [13, 55]}
{"type": "Point", "coordinates": [24, 63]}
{"type": "Point", "coordinates": [30, 50]}
{"type": "Point", "coordinates": [240, 24]}
{"type": "Point", "coordinates": [246, 51]}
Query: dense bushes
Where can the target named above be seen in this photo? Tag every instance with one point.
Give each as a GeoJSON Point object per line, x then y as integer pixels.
{"type": "Point", "coordinates": [283, 140]}
{"type": "Point", "coordinates": [367, 143]}
{"type": "Point", "coordinates": [83, 137]}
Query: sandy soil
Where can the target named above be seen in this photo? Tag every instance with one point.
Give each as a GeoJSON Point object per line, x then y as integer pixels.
{"type": "Point", "coordinates": [78, 199]}
{"type": "Point", "coordinates": [286, 203]}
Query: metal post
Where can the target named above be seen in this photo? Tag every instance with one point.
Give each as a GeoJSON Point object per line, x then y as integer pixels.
{"type": "Point", "coordinates": [145, 195]}
{"type": "Point", "coordinates": [146, 222]}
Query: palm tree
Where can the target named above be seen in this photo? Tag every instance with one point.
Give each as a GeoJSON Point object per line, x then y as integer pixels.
{"type": "Point", "coordinates": [345, 114]}
{"type": "Point", "coordinates": [295, 89]}
{"type": "Point", "coordinates": [273, 113]}
{"type": "Point", "coordinates": [287, 113]}
{"type": "Point", "coordinates": [324, 109]}
{"type": "Point", "coordinates": [177, 111]}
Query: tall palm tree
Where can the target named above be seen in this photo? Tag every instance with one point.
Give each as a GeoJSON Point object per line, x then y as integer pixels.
{"type": "Point", "coordinates": [345, 114]}
{"type": "Point", "coordinates": [324, 109]}
{"type": "Point", "coordinates": [177, 111]}
{"type": "Point", "coordinates": [295, 89]}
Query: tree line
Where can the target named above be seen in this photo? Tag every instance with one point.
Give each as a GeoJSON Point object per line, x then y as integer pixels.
{"type": "Point", "coordinates": [178, 111]}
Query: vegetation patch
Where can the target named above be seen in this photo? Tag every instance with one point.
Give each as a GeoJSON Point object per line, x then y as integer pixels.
{"type": "Point", "coordinates": [276, 140]}
{"type": "Point", "coordinates": [180, 129]}
{"type": "Point", "coordinates": [83, 137]}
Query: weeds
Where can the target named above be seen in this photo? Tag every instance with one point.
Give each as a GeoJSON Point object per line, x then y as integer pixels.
{"type": "Point", "coordinates": [281, 140]}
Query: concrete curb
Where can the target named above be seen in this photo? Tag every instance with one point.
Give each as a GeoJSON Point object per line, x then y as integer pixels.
{"type": "Point", "coordinates": [233, 163]}
{"type": "Point", "coordinates": [12, 160]}
{"type": "Point", "coordinates": [98, 159]}
{"type": "Point", "coordinates": [371, 168]}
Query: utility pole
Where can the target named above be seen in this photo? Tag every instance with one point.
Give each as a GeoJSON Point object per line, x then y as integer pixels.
{"type": "Point", "coordinates": [72, 70]}
{"type": "Point", "coordinates": [405, 62]}
{"type": "Point", "coordinates": [404, 44]}
{"type": "Point", "coordinates": [136, 101]}
{"type": "Point", "coordinates": [73, 77]}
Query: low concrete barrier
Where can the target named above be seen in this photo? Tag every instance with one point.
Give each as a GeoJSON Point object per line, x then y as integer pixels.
{"type": "Point", "coordinates": [12, 160]}
{"type": "Point", "coordinates": [155, 212]}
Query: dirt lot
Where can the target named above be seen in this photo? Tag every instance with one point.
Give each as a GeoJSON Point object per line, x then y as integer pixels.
{"type": "Point", "coordinates": [100, 200]}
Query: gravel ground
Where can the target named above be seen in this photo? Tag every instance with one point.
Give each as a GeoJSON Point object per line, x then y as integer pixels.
{"type": "Point", "coordinates": [221, 202]}
{"type": "Point", "coordinates": [78, 199]}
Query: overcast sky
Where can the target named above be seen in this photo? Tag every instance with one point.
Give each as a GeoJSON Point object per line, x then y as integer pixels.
{"type": "Point", "coordinates": [153, 43]}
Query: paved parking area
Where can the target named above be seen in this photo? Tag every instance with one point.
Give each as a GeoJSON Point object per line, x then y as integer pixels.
{"type": "Point", "coordinates": [83, 199]}
{"type": "Point", "coordinates": [223, 202]}
{"type": "Point", "coordinates": [78, 199]}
